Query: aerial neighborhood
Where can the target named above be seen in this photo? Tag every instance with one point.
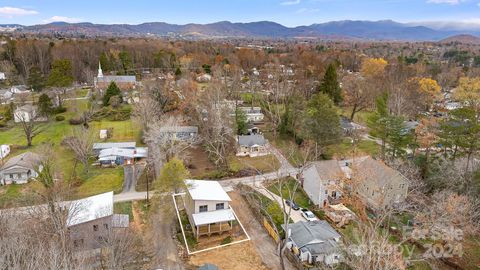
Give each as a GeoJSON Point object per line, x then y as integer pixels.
{"type": "Point", "coordinates": [190, 150]}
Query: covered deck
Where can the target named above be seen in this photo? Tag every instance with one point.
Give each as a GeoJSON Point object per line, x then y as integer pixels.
{"type": "Point", "coordinates": [207, 223]}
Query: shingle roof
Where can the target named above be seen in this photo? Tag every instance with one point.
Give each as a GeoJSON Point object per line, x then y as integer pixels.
{"type": "Point", "coordinates": [205, 190]}
{"type": "Point", "coordinates": [318, 236]}
{"type": "Point", "coordinates": [251, 140]}
{"type": "Point", "coordinates": [328, 169]}
{"type": "Point", "coordinates": [378, 172]}
{"type": "Point", "coordinates": [27, 159]}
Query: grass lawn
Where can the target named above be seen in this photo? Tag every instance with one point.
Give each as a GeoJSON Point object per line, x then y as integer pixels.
{"type": "Point", "coordinates": [360, 117]}
{"type": "Point", "coordinates": [81, 92]}
{"type": "Point", "coordinates": [286, 145]}
{"type": "Point", "coordinates": [288, 186]}
{"type": "Point", "coordinates": [123, 208]}
{"type": "Point", "coordinates": [345, 148]}
{"type": "Point", "coordinates": [263, 164]}
{"type": "Point", "coordinates": [101, 180]}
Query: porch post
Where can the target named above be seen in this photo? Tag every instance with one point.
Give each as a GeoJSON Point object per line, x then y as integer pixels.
{"type": "Point", "coordinates": [198, 231]}
{"type": "Point", "coordinates": [209, 229]}
{"type": "Point", "coordinates": [221, 226]}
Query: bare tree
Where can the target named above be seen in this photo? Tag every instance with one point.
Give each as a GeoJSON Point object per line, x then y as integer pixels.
{"type": "Point", "coordinates": [31, 128]}
{"type": "Point", "coordinates": [146, 111]}
{"type": "Point", "coordinates": [81, 143]}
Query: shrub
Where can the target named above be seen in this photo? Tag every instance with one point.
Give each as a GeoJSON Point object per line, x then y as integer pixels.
{"type": "Point", "coordinates": [227, 240]}
{"type": "Point", "coordinates": [59, 109]}
{"type": "Point", "coordinates": [60, 118]}
{"type": "Point", "coordinates": [75, 121]}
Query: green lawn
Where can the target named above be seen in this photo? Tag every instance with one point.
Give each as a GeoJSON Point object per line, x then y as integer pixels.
{"type": "Point", "coordinates": [286, 145]}
{"type": "Point", "coordinates": [101, 180]}
{"type": "Point", "coordinates": [288, 186]}
{"type": "Point", "coordinates": [98, 180]}
{"type": "Point", "coordinates": [345, 149]}
{"type": "Point", "coordinates": [263, 164]}
{"type": "Point", "coordinates": [123, 208]}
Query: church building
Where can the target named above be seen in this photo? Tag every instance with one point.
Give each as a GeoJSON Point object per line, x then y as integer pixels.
{"type": "Point", "coordinates": [123, 82]}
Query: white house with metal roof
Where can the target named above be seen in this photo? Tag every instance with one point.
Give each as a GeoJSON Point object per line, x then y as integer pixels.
{"type": "Point", "coordinates": [208, 207]}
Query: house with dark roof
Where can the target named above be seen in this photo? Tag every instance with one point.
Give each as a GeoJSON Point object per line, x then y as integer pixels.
{"type": "Point", "coordinates": [254, 145]}
{"type": "Point", "coordinates": [314, 242]}
{"type": "Point", "coordinates": [181, 133]}
{"type": "Point", "coordinates": [377, 184]}
{"type": "Point", "coordinates": [321, 180]}
{"type": "Point", "coordinates": [19, 169]}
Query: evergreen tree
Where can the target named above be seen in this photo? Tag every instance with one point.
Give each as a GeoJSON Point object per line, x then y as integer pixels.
{"type": "Point", "coordinates": [105, 62]}
{"type": "Point", "coordinates": [126, 61]}
{"type": "Point", "coordinates": [36, 81]}
{"type": "Point", "coordinates": [330, 85]}
{"type": "Point", "coordinates": [178, 72]}
{"type": "Point", "coordinates": [321, 122]}
{"type": "Point", "coordinates": [61, 74]}
{"type": "Point", "coordinates": [241, 121]}
{"type": "Point", "coordinates": [112, 90]}
{"type": "Point", "coordinates": [45, 106]}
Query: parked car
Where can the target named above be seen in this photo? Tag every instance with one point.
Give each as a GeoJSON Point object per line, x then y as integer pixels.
{"type": "Point", "coordinates": [292, 204]}
{"type": "Point", "coordinates": [308, 215]}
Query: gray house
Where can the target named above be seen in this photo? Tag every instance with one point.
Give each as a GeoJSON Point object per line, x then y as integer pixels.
{"type": "Point", "coordinates": [321, 181]}
{"type": "Point", "coordinates": [314, 242]}
{"type": "Point", "coordinates": [181, 133]}
{"type": "Point", "coordinates": [19, 169]}
{"type": "Point", "coordinates": [378, 184]}
{"type": "Point", "coordinates": [253, 145]}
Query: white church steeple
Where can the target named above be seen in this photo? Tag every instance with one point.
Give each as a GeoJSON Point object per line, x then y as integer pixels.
{"type": "Point", "coordinates": [100, 73]}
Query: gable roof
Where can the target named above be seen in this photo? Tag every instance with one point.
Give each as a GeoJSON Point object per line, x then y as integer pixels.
{"type": "Point", "coordinates": [251, 140]}
{"type": "Point", "coordinates": [205, 190]}
{"type": "Point", "coordinates": [379, 173]}
{"type": "Point", "coordinates": [328, 169]}
{"type": "Point", "coordinates": [26, 160]}
{"type": "Point", "coordinates": [177, 129]}
{"type": "Point", "coordinates": [117, 79]}
{"type": "Point", "coordinates": [26, 108]}
{"type": "Point", "coordinates": [90, 208]}
{"type": "Point", "coordinates": [318, 237]}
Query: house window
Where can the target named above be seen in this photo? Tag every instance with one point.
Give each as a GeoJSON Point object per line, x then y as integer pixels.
{"type": "Point", "coordinates": [95, 227]}
{"type": "Point", "coordinates": [11, 176]}
{"type": "Point", "coordinates": [203, 208]}
{"type": "Point", "coordinates": [19, 175]}
{"type": "Point", "coordinates": [220, 206]}
{"type": "Point", "coordinates": [105, 225]}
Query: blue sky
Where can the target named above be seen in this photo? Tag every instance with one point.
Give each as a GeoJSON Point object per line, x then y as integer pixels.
{"type": "Point", "coordinates": [286, 12]}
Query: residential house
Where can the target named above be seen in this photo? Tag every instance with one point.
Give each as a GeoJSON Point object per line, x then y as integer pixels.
{"type": "Point", "coordinates": [254, 145]}
{"type": "Point", "coordinates": [97, 147]}
{"type": "Point", "coordinates": [124, 82]}
{"type": "Point", "coordinates": [91, 221]}
{"type": "Point", "coordinates": [25, 113]}
{"type": "Point", "coordinates": [181, 133]}
{"type": "Point", "coordinates": [208, 207]}
{"type": "Point", "coordinates": [19, 169]}
{"type": "Point", "coordinates": [314, 242]}
{"type": "Point", "coordinates": [378, 184]}
{"type": "Point", "coordinates": [2, 76]}
{"type": "Point", "coordinates": [4, 151]}
{"type": "Point", "coordinates": [253, 114]}
{"type": "Point", "coordinates": [121, 156]}
{"type": "Point", "coordinates": [321, 180]}
{"type": "Point", "coordinates": [204, 78]}
{"type": "Point", "coordinates": [119, 153]}
{"type": "Point", "coordinates": [19, 89]}
{"type": "Point", "coordinates": [5, 95]}
{"type": "Point", "coordinates": [348, 126]}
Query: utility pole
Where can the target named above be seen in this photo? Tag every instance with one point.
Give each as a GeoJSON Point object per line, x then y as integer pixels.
{"type": "Point", "coordinates": [148, 180]}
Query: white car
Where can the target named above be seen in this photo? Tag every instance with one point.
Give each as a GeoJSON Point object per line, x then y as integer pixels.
{"type": "Point", "coordinates": [308, 215]}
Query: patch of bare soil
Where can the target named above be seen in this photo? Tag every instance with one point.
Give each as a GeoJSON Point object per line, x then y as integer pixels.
{"type": "Point", "coordinates": [235, 257]}
{"type": "Point", "coordinates": [198, 162]}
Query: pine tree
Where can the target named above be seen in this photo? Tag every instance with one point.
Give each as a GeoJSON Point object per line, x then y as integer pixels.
{"type": "Point", "coordinates": [330, 85]}
{"type": "Point", "coordinates": [112, 90]}
{"type": "Point", "coordinates": [241, 121]}
{"type": "Point", "coordinates": [36, 80]}
{"type": "Point", "coordinates": [61, 74]}
{"type": "Point", "coordinates": [45, 105]}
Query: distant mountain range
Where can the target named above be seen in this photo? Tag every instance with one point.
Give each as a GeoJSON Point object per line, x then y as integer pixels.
{"type": "Point", "coordinates": [355, 30]}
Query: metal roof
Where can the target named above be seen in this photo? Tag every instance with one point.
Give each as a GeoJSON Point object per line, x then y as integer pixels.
{"type": "Point", "coordinates": [119, 79]}
{"type": "Point", "coordinates": [205, 190]}
{"type": "Point", "coordinates": [210, 217]}
{"type": "Point", "coordinates": [100, 146]}
{"type": "Point", "coordinates": [90, 208]}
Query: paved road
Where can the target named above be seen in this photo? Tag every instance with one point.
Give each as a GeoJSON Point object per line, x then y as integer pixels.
{"type": "Point", "coordinates": [131, 173]}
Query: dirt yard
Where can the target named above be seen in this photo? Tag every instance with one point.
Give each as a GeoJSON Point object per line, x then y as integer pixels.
{"type": "Point", "coordinates": [235, 257]}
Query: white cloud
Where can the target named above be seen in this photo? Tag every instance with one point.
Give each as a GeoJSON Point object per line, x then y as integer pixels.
{"type": "Point", "coordinates": [290, 3]}
{"type": "Point", "coordinates": [62, 19]}
{"type": "Point", "coordinates": [307, 10]}
{"type": "Point", "coordinates": [13, 11]}
{"type": "Point", "coordinates": [450, 2]}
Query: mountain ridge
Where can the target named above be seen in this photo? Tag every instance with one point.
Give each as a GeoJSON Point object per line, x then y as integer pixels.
{"type": "Point", "coordinates": [346, 29]}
